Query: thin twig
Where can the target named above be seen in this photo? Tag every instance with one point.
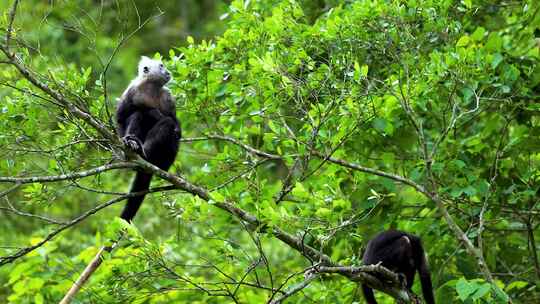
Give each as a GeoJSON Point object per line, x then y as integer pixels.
{"type": "Point", "coordinates": [12, 209]}
{"type": "Point", "coordinates": [10, 258]}
{"type": "Point", "coordinates": [12, 13]}
{"type": "Point", "coordinates": [295, 289]}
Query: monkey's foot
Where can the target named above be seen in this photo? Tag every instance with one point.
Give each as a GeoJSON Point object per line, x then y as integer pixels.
{"type": "Point", "coordinates": [402, 279]}
{"type": "Point", "coordinates": [134, 144]}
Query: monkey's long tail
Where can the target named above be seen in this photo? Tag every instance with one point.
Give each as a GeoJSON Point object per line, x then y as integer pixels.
{"type": "Point", "coordinates": [140, 183]}
{"type": "Point", "coordinates": [368, 294]}
{"type": "Point", "coordinates": [423, 270]}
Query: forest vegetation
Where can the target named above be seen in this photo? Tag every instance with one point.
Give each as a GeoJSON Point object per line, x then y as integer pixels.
{"type": "Point", "coordinates": [308, 127]}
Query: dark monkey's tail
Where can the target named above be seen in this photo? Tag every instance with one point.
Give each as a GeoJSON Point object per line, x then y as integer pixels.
{"type": "Point", "coordinates": [423, 269]}
{"type": "Point", "coordinates": [140, 183]}
{"type": "Point", "coordinates": [368, 294]}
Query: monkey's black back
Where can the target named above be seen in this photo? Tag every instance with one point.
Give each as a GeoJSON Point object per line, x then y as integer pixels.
{"type": "Point", "coordinates": [394, 250]}
{"type": "Point", "coordinates": [402, 253]}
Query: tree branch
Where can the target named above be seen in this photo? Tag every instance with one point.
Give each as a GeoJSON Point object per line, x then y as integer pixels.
{"type": "Point", "coordinates": [70, 176]}
{"type": "Point", "coordinates": [85, 275]}
{"type": "Point", "coordinates": [26, 214]}
{"type": "Point", "coordinates": [12, 14]}
{"type": "Point", "coordinates": [24, 251]}
{"type": "Point", "coordinates": [72, 108]}
{"type": "Point", "coordinates": [177, 181]}
{"type": "Point", "coordinates": [375, 276]}
{"type": "Point", "coordinates": [295, 289]}
{"type": "Point", "coordinates": [237, 142]}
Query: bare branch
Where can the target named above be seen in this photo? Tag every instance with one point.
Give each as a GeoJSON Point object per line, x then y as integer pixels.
{"type": "Point", "coordinates": [235, 141]}
{"type": "Point", "coordinates": [12, 14]}
{"type": "Point", "coordinates": [122, 41]}
{"type": "Point", "coordinates": [296, 288]}
{"type": "Point", "coordinates": [9, 190]}
{"type": "Point", "coordinates": [88, 271]}
{"type": "Point", "coordinates": [368, 170]}
{"type": "Point", "coordinates": [24, 251]}
{"type": "Point", "coordinates": [71, 107]}
{"type": "Point", "coordinates": [70, 176]}
{"type": "Point", "coordinates": [12, 209]}
{"type": "Point", "coordinates": [376, 276]}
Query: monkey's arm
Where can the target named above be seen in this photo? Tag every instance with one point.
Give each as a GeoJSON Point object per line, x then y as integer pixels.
{"type": "Point", "coordinates": [129, 118]}
{"type": "Point", "coordinates": [123, 111]}
{"type": "Point", "coordinates": [171, 112]}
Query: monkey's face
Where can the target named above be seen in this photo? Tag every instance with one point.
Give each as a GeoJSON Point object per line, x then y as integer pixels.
{"type": "Point", "coordinates": [154, 71]}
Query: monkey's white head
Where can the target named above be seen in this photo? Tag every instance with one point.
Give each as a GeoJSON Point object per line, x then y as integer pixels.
{"type": "Point", "coordinates": [153, 70]}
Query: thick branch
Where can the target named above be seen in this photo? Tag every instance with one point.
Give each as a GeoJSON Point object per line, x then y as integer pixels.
{"type": "Point", "coordinates": [285, 237]}
{"type": "Point", "coordinates": [376, 276]}
{"type": "Point", "coordinates": [85, 275]}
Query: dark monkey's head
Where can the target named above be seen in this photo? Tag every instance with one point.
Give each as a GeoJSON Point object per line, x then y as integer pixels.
{"type": "Point", "coordinates": [153, 71]}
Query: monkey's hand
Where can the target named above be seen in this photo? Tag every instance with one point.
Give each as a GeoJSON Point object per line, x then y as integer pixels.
{"type": "Point", "coordinates": [134, 144]}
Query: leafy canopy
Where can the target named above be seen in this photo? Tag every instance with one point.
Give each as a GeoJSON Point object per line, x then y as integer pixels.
{"type": "Point", "coordinates": [415, 115]}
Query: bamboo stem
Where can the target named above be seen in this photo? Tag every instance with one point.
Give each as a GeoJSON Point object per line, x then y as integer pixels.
{"type": "Point", "coordinates": [85, 275]}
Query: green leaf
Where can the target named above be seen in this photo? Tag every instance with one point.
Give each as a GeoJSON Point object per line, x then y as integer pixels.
{"type": "Point", "coordinates": [463, 41]}
{"type": "Point", "coordinates": [459, 163]}
{"type": "Point", "coordinates": [38, 298]}
{"type": "Point", "coordinates": [218, 197]}
{"type": "Point", "coordinates": [500, 295]}
{"type": "Point", "coordinates": [341, 204]}
{"type": "Point", "coordinates": [478, 34]}
{"type": "Point", "coordinates": [497, 58]}
{"type": "Point", "coordinates": [494, 42]}
{"type": "Point", "coordinates": [35, 283]}
{"type": "Point", "coordinates": [481, 291]}
{"type": "Point", "coordinates": [383, 125]}
{"type": "Point", "coordinates": [456, 192]}
{"type": "Point", "coordinates": [516, 285]}
{"type": "Point", "coordinates": [323, 212]}
{"type": "Point", "coordinates": [364, 70]}
{"type": "Point", "coordinates": [300, 191]}
{"type": "Point", "coordinates": [464, 289]}
{"type": "Point", "coordinates": [469, 190]}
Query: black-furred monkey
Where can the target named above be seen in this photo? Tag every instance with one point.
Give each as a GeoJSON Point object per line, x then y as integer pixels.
{"type": "Point", "coordinates": [402, 253]}
{"type": "Point", "coordinates": [147, 123]}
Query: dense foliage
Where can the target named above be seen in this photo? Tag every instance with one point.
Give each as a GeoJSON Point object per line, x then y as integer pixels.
{"type": "Point", "coordinates": [328, 120]}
